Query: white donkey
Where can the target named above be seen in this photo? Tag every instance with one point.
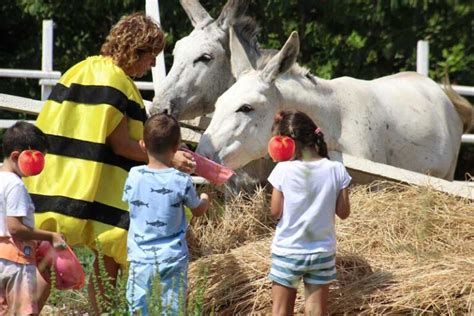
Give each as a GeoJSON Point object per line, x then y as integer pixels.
{"type": "Point", "coordinates": [404, 120]}
{"type": "Point", "coordinates": [201, 69]}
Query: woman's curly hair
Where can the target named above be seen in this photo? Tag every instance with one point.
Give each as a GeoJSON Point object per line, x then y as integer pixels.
{"type": "Point", "coordinates": [131, 37]}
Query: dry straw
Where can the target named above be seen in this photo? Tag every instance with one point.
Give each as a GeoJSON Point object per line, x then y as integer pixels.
{"type": "Point", "coordinates": [243, 219]}
{"type": "Point", "coordinates": [404, 249]}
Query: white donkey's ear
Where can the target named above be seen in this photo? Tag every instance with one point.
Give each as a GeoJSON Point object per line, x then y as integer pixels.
{"type": "Point", "coordinates": [238, 56]}
{"type": "Point", "coordinates": [283, 61]}
{"type": "Point", "coordinates": [233, 10]}
{"type": "Point", "coordinates": [196, 13]}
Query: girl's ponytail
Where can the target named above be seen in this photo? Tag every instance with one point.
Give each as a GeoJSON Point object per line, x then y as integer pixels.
{"type": "Point", "coordinates": [321, 143]}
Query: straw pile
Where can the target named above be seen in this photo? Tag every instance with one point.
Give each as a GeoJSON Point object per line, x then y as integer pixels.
{"type": "Point", "coordinates": [403, 250]}
{"type": "Point", "coordinates": [243, 219]}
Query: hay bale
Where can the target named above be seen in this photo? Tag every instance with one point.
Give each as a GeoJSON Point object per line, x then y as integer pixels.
{"type": "Point", "coordinates": [404, 249]}
{"type": "Point", "coordinates": [245, 218]}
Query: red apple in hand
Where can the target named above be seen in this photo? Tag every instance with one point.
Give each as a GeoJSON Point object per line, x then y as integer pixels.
{"type": "Point", "coordinates": [31, 162]}
{"type": "Point", "coordinates": [281, 148]}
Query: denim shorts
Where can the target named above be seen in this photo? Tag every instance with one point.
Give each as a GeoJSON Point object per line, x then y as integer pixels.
{"type": "Point", "coordinates": [315, 268]}
{"type": "Point", "coordinates": [173, 280]}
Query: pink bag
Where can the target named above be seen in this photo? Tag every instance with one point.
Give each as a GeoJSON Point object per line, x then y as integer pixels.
{"type": "Point", "coordinates": [212, 171]}
{"type": "Point", "coordinates": [69, 272]}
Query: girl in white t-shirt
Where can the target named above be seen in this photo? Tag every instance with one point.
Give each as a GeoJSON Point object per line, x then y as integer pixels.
{"type": "Point", "coordinates": [307, 194]}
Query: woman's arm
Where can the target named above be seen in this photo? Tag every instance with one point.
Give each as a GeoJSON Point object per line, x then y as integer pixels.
{"type": "Point", "coordinates": [123, 145]}
{"type": "Point", "coordinates": [343, 207]}
{"type": "Point", "coordinates": [276, 206]}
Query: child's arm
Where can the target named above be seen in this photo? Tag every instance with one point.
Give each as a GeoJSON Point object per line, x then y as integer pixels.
{"type": "Point", "coordinates": [18, 230]}
{"type": "Point", "coordinates": [343, 207]}
{"type": "Point", "coordinates": [203, 206]}
{"type": "Point", "coordinates": [276, 206]}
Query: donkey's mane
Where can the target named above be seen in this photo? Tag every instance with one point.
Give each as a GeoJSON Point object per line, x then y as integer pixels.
{"type": "Point", "coordinates": [247, 29]}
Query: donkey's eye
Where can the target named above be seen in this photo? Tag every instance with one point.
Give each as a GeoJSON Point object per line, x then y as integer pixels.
{"type": "Point", "coordinates": [245, 108]}
{"type": "Point", "coordinates": [204, 58]}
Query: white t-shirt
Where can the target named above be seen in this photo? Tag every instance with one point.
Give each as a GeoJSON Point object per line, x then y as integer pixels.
{"type": "Point", "coordinates": [14, 201]}
{"type": "Point", "coordinates": [310, 190]}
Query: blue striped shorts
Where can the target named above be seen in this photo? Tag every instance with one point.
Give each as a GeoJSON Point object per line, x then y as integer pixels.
{"type": "Point", "coordinates": [315, 268]}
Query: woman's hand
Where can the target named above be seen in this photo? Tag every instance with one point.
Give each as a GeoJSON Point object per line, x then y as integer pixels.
{"type": "Point", "coordinates": [184, 162]}
{"type": "Point", "coordinates": [58, 241]}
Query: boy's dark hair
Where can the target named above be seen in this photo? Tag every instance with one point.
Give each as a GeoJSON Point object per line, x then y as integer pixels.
{"type": "Point", "coordinates": [301, 128]}
{"type": "Point", "coordinates": [23, 135]}
{"type": "Point", "coordinates": [162, 133]}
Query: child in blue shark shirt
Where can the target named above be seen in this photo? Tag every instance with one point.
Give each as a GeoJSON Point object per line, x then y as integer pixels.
{"type": "Point", "coordinates": [156, 194]}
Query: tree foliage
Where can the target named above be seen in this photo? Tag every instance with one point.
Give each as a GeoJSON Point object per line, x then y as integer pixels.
{"type": "Point", "coordinates": [364, 39]}
{"type": "Point", "coordinates": [359, 38]}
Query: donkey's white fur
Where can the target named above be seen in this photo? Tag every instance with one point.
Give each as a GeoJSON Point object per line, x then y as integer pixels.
{"type": "Point", "coordinates": [201, 69]}
{"type": "Point", "coordinates": [404, 120]}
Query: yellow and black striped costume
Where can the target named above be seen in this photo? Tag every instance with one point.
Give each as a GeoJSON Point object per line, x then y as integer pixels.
{"type": "Point", "coordinates": [79, 192]}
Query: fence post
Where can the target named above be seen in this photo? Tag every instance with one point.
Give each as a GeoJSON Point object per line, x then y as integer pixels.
{"type": "Point", "coordinates": [152, 8]}
{"type": "Point", "coordinates": [47, 55]}
{"type": "Point", "coordinates": [422, 57]}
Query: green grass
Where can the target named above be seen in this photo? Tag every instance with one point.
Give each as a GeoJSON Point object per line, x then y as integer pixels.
{"type": "Point", "coordinates": [114, 301]}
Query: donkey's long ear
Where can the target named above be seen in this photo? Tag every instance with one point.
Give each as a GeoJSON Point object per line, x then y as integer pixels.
{"type": "Point", "coordinates": [231, 12]}
{"type": "Point", "coordinates": [283, 61]}
{"type": "Point", "coordinates": [196, 13]}
{"type": "Point", "coordinates": [238, 57]}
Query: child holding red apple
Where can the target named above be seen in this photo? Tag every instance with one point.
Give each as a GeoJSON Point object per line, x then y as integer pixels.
{"type": "Point", "coordinates": [23, 148]}
{"type": "Point", "coordinates": [308, 192]}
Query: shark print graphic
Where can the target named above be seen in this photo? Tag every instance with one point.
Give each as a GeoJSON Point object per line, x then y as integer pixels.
{"type": "Point", "coordinates": [143, 171]}
{"type": "Point", "coordinates": [187, 190]}
{"type": "Point", "coordinates": [138, 203]}
{"type": "Point", "coordinates": [127, 187]}
{"type": "Point", "coordinates": [163, 191]}
{"type": "Point", "coordinates": [156, 223]}
{"type": "Point", "coordinates": [177, 204]}
{"type": "Point", "coordinates": [136, 236]}
{"type": "Point", "coordinates": [152, 249]}
{"type": "Point", "coordinates": [170, 260]}
{"type": "Point", "coordinates": [184, 175]}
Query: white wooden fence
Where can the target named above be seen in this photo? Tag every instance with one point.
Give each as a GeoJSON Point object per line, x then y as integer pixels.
{"type": "Point", "coordinates": [191, 130]}
{"type": "Point", "coordinates": [48, 77]}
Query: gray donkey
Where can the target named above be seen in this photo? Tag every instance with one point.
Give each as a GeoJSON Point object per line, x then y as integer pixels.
{"type": "Point", "coordinates": [201, 71]}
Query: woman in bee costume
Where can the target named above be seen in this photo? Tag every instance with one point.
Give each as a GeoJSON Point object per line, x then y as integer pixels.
{"type": "Point", "coordinates": [93, 119]}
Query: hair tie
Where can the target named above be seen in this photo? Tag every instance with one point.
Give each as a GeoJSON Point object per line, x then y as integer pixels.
{"type": "Point", "coordinates": [318, 131]}
{"type": "Point", "coordinates": [278, 117]}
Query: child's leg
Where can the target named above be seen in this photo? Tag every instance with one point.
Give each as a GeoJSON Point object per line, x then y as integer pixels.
{"type": "Point", "coordinates": [283, 299]}
{"type": "Point", "coordinates": [18, 281]}
{"type": "Point", "coordinates": [316, 299]}
{"type": "Point", "coordinates": [140, 278]}
{"type": "Point", "coordinates": [321, 271]}
{"type": "Point", "coordinates": [43, 289]}
{"type": "Point", "coordinates": [174, 283]}
{"type": "Point", "coordinates": [111, 268]}
{"type": "Point", "coordinates": [285, 276]}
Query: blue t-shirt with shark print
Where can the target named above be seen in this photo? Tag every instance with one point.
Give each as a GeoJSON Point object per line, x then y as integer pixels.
{"type": "Point", "coordinates": [156, 199]}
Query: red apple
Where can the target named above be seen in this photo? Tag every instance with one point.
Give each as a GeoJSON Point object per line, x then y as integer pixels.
{"type": "Point", "coordinates": [281, 148]}
{"type": "Point", "coordinates": [31, 162]}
